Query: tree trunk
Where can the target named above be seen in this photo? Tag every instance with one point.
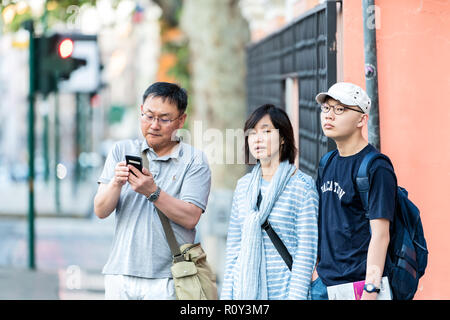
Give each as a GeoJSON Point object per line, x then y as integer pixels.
{"type": "Point", "coordinates": [218, 35]}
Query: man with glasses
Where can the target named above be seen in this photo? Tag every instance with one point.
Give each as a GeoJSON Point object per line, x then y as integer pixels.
{"type": "Point", "coordinates": [178, 183]}
{"type": "Point", "coordinates": [351, 247]}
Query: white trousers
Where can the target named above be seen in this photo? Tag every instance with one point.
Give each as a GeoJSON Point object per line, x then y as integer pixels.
{"type": "Point", "coordinates": [122, 287]}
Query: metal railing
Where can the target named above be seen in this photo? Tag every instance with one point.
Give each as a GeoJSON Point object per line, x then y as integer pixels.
{"type": "Point", "coordinates": [304, 49]}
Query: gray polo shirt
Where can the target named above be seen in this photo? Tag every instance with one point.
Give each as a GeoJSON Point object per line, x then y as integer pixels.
{"type": "Point", "coordinates": [139, 245]}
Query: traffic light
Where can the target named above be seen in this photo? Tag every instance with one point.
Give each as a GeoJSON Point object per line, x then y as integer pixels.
{"type": "Point", "coordinates": [65, 48]}
{"type": "Point", "coordinates": [54, 61]}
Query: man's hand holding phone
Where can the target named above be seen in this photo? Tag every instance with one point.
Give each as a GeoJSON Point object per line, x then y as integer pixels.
{"type": "Point", "coordinates": [140, 179]}
{"type": "Point", "coordinates": [121, 173]}
{"type": "Point", "coordinates": [141, 182]}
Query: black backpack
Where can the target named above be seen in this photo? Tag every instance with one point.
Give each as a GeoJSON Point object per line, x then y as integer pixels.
{"type": "Point", "coordinates": [407, 254]}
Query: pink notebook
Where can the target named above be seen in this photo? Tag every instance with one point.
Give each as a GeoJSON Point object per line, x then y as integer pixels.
{"type": "Point", "coordinates": [354, 291]}
{"type": "Point", "coordinates": [358, 288]}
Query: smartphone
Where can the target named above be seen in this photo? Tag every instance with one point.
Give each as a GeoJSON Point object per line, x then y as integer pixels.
{"type": "Point", "coordinates": [134, 161]}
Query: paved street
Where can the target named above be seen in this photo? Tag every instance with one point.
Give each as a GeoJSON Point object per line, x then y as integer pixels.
{"type": "Point", "coordinates": [70, 253]}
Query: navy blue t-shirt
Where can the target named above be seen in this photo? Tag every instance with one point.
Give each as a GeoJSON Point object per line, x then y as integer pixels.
{"type": "Point", "coordinates": [344, 231]}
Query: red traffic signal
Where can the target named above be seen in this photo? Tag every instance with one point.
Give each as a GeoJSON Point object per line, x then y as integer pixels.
{"type": "Point", "coordinates": [54, 60]}
{"type": "Point", "coordinates": [65, 48]}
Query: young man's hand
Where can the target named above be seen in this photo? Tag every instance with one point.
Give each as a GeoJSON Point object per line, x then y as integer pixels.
{"type": "Point", "coordinates": [141, 182]}
{"type": "Point", "coordinates": [315, 275]}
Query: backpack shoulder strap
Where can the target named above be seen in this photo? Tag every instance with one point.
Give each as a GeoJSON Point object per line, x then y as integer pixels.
{"type": "Point", "coordinates": [362, 178]}
{"type": "Point", "coordinates": [324, 162]}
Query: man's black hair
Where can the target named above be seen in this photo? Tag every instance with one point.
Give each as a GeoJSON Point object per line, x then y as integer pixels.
{"type": "Point", "coordinates": [171, 91]}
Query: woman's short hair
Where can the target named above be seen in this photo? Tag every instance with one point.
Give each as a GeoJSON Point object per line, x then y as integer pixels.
{"type": "Point", "coordinates": [280, 120]}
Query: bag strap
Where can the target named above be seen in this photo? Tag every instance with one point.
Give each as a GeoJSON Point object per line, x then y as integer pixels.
{"type": "Point", "coordinates": [170, 237]}
{"type": "Point", "coordinates": [362, 178]}
{"type": "Point", "coordinates": [363, 186]}
{"type": "Point", "coordinates": [277, 242]}
{"type": "Point", "coordinates": [324, 161]}
{"type": "Point", "coordinates": [168, 231]}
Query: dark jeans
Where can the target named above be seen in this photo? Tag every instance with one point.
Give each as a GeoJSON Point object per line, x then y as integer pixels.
{"type": "Point", "coordinates": [318, 290]}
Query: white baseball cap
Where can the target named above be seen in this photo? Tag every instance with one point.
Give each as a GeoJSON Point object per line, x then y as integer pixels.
{"type": "Point", "coordinates": [347, 93]}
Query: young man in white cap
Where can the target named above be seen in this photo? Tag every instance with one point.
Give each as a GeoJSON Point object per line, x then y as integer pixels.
{"type": "Point", "coordinates": [351, 247]}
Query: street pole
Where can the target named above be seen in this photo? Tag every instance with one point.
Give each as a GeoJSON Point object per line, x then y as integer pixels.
{"type": "Point", "coordinates": [78, 140]}
{"type": "Point", "coordinates": [57, 158]}
{"type": "Point", "coordinates": [45, 120]}
{"type": "Point", "coordinates": [371, 70]}
{"type": "Point", "coordinates": [31, 110]}
{"type": "Point", "coordinates": [45, 145]}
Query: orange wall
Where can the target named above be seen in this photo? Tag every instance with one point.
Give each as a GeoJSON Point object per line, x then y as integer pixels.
{"type": "Point", "coordinates": [413, 46]}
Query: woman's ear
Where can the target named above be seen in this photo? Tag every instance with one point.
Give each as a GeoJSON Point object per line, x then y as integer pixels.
{"type": "Point", "coordinates": [281, 146]}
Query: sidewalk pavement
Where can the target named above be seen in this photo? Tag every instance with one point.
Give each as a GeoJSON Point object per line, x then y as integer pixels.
{"type": "Point", "coordinates": [63, 284]}
{"type": "Point", "coordinates": [69, 254]}
{"type": "Point", "coordinates": [24, 284]}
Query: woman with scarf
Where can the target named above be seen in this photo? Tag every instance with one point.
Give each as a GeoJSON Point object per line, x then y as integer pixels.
{"type": "Point", "coordinates": [276, 191]}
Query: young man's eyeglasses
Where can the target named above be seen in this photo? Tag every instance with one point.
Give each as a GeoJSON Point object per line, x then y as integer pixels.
{"type": "Point", "coordinates": [337, 108]}
{"type": "Point", "coordinates": [162, 121]}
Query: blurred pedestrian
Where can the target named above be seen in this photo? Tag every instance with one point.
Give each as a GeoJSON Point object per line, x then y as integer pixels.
{"type": "Point", "coordinates": [178, 184]}
{"type": "Point", "coordinates": [276, 191]}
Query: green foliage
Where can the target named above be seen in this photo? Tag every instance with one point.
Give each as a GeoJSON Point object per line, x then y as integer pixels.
{"type": "Point", "coordinates": [180, 70]}
{"type": "Point", "coordinates": [172, 10]}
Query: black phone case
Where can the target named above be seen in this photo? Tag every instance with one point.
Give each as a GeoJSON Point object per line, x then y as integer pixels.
{"type": "Point", "coordinates": [135, 161]}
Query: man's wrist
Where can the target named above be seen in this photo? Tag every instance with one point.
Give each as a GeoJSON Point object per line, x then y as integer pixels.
{"type": "Point", "coordinates": [151, 191]}
{"type": "Point", "coordinates": [152, 197]}
{"type": "Point", "coordinates": [116, 184]}
{"type": "Point", "coordinates": [370, 288]}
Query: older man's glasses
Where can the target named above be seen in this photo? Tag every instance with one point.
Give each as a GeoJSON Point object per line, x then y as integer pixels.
{"type": "Point", "coordinates": [162, 121]}
{"type": "Point", "coordinates": [337, 108]}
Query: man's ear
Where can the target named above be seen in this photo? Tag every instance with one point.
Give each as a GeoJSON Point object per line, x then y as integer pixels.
{"type": "Point", "coordinates": [363, 120]}
{"type": "Point", "coordinates": [182, 120]}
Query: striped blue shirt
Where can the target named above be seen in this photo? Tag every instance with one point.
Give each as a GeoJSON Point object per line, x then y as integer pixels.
{"type": "Point", "coordinates": [294, 219]}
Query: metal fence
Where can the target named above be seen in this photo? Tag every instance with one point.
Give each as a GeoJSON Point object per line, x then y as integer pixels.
{"type": "Point", "coordinates": [306, 50]}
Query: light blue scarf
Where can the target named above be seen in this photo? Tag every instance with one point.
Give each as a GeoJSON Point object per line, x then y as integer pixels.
{"type": "Point", "coordinates": [251, 278]}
